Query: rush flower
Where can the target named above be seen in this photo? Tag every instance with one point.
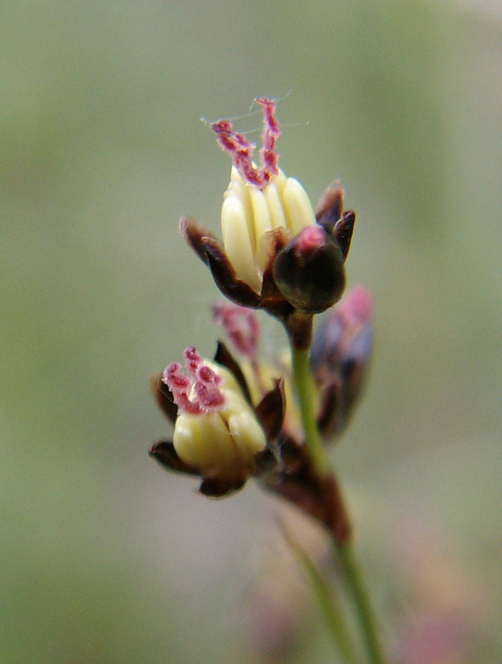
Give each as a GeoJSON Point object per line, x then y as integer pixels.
{"type": "Point", "coordinates": [339, 359]}
{"type": "Point", "coordinates": [218, 434]}
{"type": "Point", "coordinates": [278, 253]}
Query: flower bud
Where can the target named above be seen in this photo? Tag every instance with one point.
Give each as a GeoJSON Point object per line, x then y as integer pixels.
{"type": "Point", "coordinates": [339, 359]}
{"type": "Point", "coordinates": [309, 271]}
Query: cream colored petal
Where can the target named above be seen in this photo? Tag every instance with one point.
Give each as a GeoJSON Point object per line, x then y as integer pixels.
{"type": "Point", "coordinates": [267, 246]}
{"type": "Point", "coordinates": [235, 176]}
{"type": "Point", "coordinates": [279, 181]}
{"type": "Point", "coordinates": [241, 190]}
{"type": "Point", "coordinates": [297, 205]}
{"type": "Point", "coordinates": [187, 440]}
{"type": "Point", "coordinates": [261, 383]}
{"type": "Point", "coordinates": [237, 241]}
{"type": "Point", "coordinates": [262, 222]}
{"type": "Point", "coordinates": [274, 206]}
{"type": "Point", "coordinates": [205, 442]}
{"type": "Point", "coordinates": [248, 435]}
{"type": "Point", "coordinates": [235, 403]}
{"type": "Point", "coordinates": [222, 450]}
{"type": "Point", "coordinates": [254, 385]}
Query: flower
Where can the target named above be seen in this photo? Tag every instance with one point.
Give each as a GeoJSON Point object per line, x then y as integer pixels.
{"type": "Point", "coordinates": [216, 430]}
{"type": "Point", "coordinates": [229, 426]}
{"type": "Point", "coordinates": [277, 254]}
{"type": "Point", "coordinates": [218, 434]}
{"type": "Point", "coordinates": [339, 359]}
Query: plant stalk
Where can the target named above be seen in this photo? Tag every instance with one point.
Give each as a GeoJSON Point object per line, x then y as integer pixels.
{"type": "Point", "coordinates": [304, 388]}
{"type": "Point", "coordinates": [361, 601]}
{"type": "Point", "coordinates": [328, 603]}
{"type": "Point", "coordinates": [356, 588]}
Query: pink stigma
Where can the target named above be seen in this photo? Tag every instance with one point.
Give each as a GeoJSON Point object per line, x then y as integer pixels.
{"type": "Point", "coordinates": [241, 150]}
{"type": "Point", "coordinates": [310, 238]}
{"type": "Point", "coordinates": [199, 391]}
{"type": "Point", "coordinates": [241, 327]}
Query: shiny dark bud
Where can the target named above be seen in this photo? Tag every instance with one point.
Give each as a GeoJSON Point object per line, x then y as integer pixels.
{"type": "Point", "coordinates": [309, 271]}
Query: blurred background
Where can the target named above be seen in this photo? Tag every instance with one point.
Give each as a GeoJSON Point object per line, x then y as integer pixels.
{"type": "Point", "coordinates": [106, 558]}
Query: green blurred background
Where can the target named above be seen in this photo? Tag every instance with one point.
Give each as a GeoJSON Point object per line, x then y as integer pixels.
{"type": "Point", "coordinates": [105, 557]}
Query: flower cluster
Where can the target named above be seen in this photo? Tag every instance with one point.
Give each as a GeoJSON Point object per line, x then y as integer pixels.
{"type": "Point", "coordinates": [236, 416]}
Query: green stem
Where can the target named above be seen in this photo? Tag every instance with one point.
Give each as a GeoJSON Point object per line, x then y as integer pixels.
{"type": "Point", "coordinates": [304, 387]}
{"type": "Point", "coordinates": [329, 606]}
{"type": "Point", "coordinates": [364, 612]}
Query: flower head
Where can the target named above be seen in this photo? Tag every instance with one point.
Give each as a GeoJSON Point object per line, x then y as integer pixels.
{"type": "Point", "coordinates": [231, 422]}
{"type": "Point", "coordinates": [218, 434]}
{"type": "Point", "coordinates": [278, 254]}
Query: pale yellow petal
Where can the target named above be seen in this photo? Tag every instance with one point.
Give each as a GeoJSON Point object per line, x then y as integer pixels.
{"type": "Point", "coordinates": [237, 241]}
{"type": "Point", "coordinates": [187, 441]}
{"type": "Point", "coordinates": [274, 206]}
{"type": "Point", "coordinates": [262, 222]}
{"type": "Point", "coordinates": [297, 206]}
{"type": "Point", "coordinates": [204, 442]}
{"type": "Point", "coordinates": [221, 450]}
{"type": "Point", "coordinates": [235, 176]}
{"type": "Point", "coordinates": [248, 436]}
{"type": "Point", "coordinates": [241, 191]}
{"type": "Point", "coordinates": [279, 181]}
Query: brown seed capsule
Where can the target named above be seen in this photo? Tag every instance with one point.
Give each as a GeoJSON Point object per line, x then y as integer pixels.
{"type": "Point", "coordinates": [309, 270]}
